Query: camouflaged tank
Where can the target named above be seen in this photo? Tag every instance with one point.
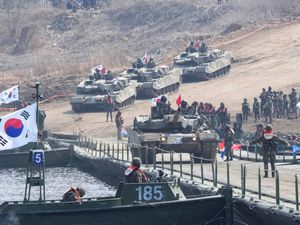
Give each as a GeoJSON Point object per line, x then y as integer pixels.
{"type": "Point", "coordinates": [181, 134]}
{"type": "Point", "coordinates": [91, 95]}
{"type": "Point", "coordinates": [152, 82]}
{"type": "Point", "coordinates": [203, 66]}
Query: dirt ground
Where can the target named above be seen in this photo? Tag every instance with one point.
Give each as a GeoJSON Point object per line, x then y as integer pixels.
{"type": "Point", "coordinates": [269, 57]}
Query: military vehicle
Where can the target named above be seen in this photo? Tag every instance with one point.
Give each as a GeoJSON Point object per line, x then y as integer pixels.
{"type": "Point", "coordinates": [91, 94]}
{"type": "Point", "coordinates": [148, 203]}
{"type": "Point", "coordinates": [152, 82]}
{"type": "Point", "coordinates": [203, 65]}
{"type": "Point", "coordinates": [174, 132]}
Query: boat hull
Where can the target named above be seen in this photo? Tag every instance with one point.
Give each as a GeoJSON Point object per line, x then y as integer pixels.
{"type": "Point", "coordinates": [111, 212]}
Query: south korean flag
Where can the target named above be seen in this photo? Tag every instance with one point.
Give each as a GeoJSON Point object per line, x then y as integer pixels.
{"type": "Point", "coordinates": [18, 128]}
{"type": "Point", "coordinates": [9, 95]}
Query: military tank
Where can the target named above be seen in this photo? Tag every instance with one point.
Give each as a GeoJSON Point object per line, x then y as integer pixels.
{"type": "Point", "coordinates": [152, 82]}
{"type": "Point", "coordinates": [91, 94]}
{"type": "Point", "coordinates": [179, 133]}
{"type": "Point", "coordinates": [202, 66]}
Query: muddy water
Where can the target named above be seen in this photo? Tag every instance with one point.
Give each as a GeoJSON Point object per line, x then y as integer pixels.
{"type": "Point", "coordinates": [58, 181]}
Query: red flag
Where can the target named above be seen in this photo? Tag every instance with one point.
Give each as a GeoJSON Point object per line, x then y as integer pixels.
{"type": "Point", "coordinates": [178, 100]}
{"type": "Point", "coordinates": [221, 145]}
{"type": "Point", "coordinates": [236, 147]}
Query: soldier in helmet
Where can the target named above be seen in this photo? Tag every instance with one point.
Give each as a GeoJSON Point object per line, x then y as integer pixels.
{"type": "Point", "coordinates": [163, 106]}
{"type": "Point", "coordinates": [269, 142]}
{"type": "Point", "coordinates": [293, 102]}
{"type": "Point", "coordinates": [151, 63]}
{"type": "Point", "coordinates": [286, 103]}
{"type": "Point", "coordinates": [74, 195]}
{"type": "Point", "coordinates": [245, 110]}
{"type": "Point", "coordinates": [133, 173]}
{"type": "Point", "coordinates": [222, 115]}
{"type": "Point", "coordinates": [268, 110]}
{"type": "Point", "coordinates": [228, 141]}
{"type": "Point", "coordinates": [259, 130]}
{"type": "Point", "coordinates": [263, 99]}
{"type": "Point", "coordinates": [256, 110]}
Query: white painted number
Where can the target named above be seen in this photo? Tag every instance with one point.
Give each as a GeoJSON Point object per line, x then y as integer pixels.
{"type": "Point", "coordinates": [158, 195]}
{"type": "Point", "coordinates": [148, 193]}
{"type": "Point", "coordinates": [38, 158]}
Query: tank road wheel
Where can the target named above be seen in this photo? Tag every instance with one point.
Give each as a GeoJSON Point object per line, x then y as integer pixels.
{"type": "Point", "coordinates": [77, 108]}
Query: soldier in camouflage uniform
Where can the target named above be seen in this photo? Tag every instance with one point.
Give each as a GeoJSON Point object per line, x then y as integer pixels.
{"type": "Point", "coordinates": [245, 110]}
{"type": "Point", "coordinates": [293, 102]}
{"type": "Point", "coordinates": [280, 104]}
{"type": "Point", "coordinates": [268, 110]}
{"type": "Point", "coordinates": [270, 93]}
{"type": "Point", "coordinates": [228, 141]}
{"type": "Point", "coordinates": [285, 103]}
{"type": "Point", "coordinates": [275, 103]}
{"type": "Point", "coordinates": [269, 142]}
{"type": "Point", "coordinates": [256, 109]}
{"type": "Point", "coordinates": [263, 99]}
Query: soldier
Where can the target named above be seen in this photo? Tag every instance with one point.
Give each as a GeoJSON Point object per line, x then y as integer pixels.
{"type": "Point", "coordinates": [228, 141]}
{"type": "Point", "coordinates": [74, 195]}
{"type": "Point", "coordinates": [263, 99]}
{"type": "Point", "coordinates": [245, 110]}
{"type": "Point", "coordinates": [133, 173]}
{"type": "Point", "coordinates": [270, 92]}
{"type": "Point", "coordinates": [259, 130]}
{"type": "Point", "coordinates": [151, 63]}
{"type": "Point", "coordinates": [109, 107]}
{"type": "Point", "coordinates": [280, 104]}
{"type": "Point", "coordinates": [285, 110]}
{"type": "Point", "coordinates": [191, 48]}
{"type": "Point", "coordinates": [222, 114]}
{"type": "Point", "coordinates": [268, 110]}
{"type": "Point", "coordinates": [164, 108]}
{"type": "Point", "coordinates": [119, 124]}
{"type": "Point", "coordinates": [269, 141]}
{"type": "Point", "coordinates": [184, 108]}
{"type": "Point", "coordinates": [293, 102]}
{"type": "Point", "coordinates": [275, 104]}
{"type": "Point", "coordinates": [256, 110]}
{"type": "Point", "coordinates": [194, 108]}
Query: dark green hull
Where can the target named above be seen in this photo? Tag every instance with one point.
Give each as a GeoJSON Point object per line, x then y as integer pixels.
{"type": "Point", "coordinates": [110, 211]}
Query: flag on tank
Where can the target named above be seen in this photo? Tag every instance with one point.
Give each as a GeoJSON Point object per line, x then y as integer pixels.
{"type": "Point", "coordinates": [145, 58]}
{"type": "Point", "coordinates": [154, 101]}
{"type": "Point", "coordinates": [18, 128]}
{"type": "Point", "coordinates": [9, 95]}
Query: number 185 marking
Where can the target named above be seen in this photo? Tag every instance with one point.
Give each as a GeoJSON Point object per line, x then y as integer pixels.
{"type": "Point", "coordinates": [148, 193]}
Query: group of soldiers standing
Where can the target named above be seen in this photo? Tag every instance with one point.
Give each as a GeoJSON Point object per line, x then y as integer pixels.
{"type": "Point", "coordinates": [216, 117]}
{"type": "Point", "coordinates": [272, 104]}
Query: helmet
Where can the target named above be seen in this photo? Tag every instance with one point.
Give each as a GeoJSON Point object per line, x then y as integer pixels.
{"type": "Point", "coordinates": [81, 191]}
{"type": "Point", "coordinates": [255, 98]}
{"type": "Point", "coordinates": [227, 126]}
{"type": "Point", "coordinates": [260, 125]}
{"type": "Point", "coordinates": [269, 127]}
{"type": "Point", "coordinates": [245, 99]}
{"type": "Point", "coordinates": [293, 89]}
{"type": "Point", "coordinates": [163, 99]}
{"type": "Point", "coordinates": [136, 161]}
{"type": "Point", "coordinates": [160, 173]}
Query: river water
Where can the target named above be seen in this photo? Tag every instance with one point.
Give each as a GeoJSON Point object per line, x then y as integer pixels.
{"type": "Point", "coordinates": [58, 181]}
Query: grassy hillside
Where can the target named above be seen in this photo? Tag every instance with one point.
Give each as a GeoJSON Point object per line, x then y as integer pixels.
{"type": "Point", "coordinates": [58, 46]}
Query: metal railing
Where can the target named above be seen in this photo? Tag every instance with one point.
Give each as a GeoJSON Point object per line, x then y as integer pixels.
{"type": "Point", "coordinates": [211, 172]}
